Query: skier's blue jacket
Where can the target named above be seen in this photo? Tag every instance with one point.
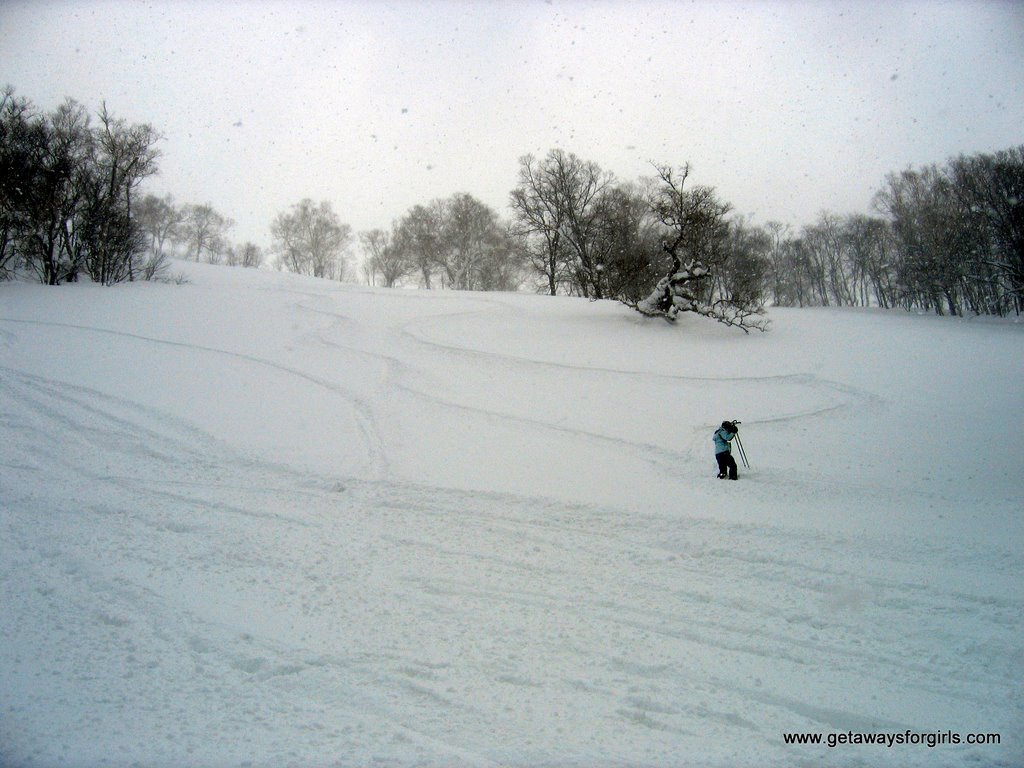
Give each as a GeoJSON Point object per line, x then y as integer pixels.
{"type": "Point", "coordinates": [722, 438]}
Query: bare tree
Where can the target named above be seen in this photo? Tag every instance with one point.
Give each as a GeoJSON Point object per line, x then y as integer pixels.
{"type": "Point", "coordinates": [556, 202]}
{"type": "Point", "coordinates": [53, 194]}
{"type": "Point", "coordinates": [824, 242]}
{"type": "Point", "coordinates": [507, 267]}
{"type": "Point", "coordinates": [244, 255]}
{"type": "Point", "coordinates": [417, 238]}
{"type": "Point", "coordinates": [160, 220]}
{"type": "Point", "coordinates": [381, 255]}
{"type": "Point", "coordinates": [204, 233]}
{"type": "Point", "coordinates": [779, 235]}
{"type": "Point", "coordinates": [538, 218]}
{"type": "Point", "coordinates": [250, 255]}
{"type": "Point", "coordinates": [311, 240]}
{"type": "Point", "coordinates": [470, 238]}
{"type": "Point", "coordinates": [742, 276]}
{"type": "Point", "coordinates": [125, 156]}
{"type": "Point", "coordinates": [578, 185]}
{"type": "Point", "coordinates": [870, 248]}
{"type": "Point", "coordinates": [23, 139]}
{"type": "Point", "coordinates": [627, 243]}
{"type": "Point", "coordinates": [929, 226]}
{"type": "Point", "coordinates": [990, 188]}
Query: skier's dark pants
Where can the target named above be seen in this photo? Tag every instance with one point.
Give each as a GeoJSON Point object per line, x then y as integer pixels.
{"type": "Point", "coordinates": [726, 464]}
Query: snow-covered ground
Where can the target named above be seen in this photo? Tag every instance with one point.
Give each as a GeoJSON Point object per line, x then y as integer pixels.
{"type": "Point", "coordinates": [259, 519]}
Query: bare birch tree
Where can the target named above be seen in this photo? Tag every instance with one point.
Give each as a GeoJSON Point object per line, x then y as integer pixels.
{"type": "Point", "coordinates": [312, 240]}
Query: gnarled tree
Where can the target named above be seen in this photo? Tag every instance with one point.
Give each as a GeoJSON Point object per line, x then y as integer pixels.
{"type": "Point", "coordinates": [695, 243]}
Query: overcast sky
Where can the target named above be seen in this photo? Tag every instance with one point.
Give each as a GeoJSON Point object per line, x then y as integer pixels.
{"type": "Point", "coordinates": [787, 108]}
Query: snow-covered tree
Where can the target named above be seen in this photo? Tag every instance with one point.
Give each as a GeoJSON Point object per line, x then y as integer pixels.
{"type": "Point", "coordinates": [697, 234]}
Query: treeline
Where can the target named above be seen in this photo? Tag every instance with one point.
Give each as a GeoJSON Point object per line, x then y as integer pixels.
{"type": "Point", "coordinates": [70, 202]}
{"type": "Point", "coordinates": [945, 239]}
{"type": "Point", "coordinates": [575, 229]}
{"type": "Point", "coordinates": [948, 239]}
{"type": "Point", "coordinates": [197, 232]}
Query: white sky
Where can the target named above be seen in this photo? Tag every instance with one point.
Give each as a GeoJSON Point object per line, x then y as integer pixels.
{"type": "Point", "coordinates": [788, 108]}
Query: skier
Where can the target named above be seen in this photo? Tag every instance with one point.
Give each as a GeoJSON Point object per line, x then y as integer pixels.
{"type": "Point", "coordinates": [723, 450]}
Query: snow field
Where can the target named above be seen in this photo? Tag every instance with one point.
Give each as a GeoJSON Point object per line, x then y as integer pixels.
{"type": "Point", "coordinates": [264, 520]}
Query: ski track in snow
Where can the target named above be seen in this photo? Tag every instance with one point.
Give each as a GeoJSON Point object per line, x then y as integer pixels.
{"type": "Point", "coordinates": [361, 407]}
{"type": "Point", "coordinates": [173, 598]}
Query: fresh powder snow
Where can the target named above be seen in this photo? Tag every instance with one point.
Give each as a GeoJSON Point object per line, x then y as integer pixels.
{"type": "Point", "coordinates": [258, 519]}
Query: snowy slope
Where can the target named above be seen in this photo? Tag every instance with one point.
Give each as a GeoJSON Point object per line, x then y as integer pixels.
{"type": "Point", "coordinates": [265, 520]}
